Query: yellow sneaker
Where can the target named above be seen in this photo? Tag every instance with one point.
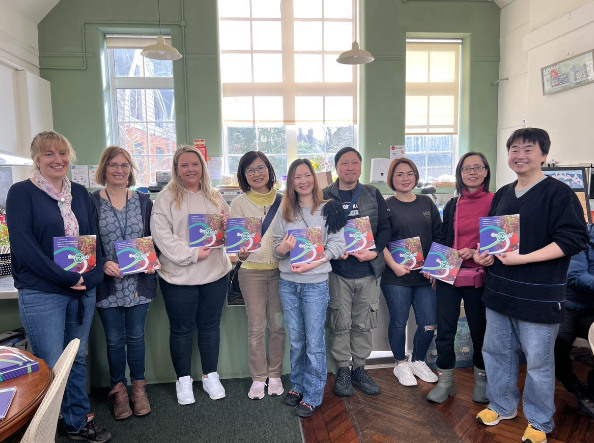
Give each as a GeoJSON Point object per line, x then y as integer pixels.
{"type": "Point", "coordinates": [532, 435]}
{"type": "Point", "coordinates": [488, 417]}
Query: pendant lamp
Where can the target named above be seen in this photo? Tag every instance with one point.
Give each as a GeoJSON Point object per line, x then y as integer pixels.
{"type": "Point", "coordinates": [160, 50]}
{"type": "Point", "coordinates": [355, 56]}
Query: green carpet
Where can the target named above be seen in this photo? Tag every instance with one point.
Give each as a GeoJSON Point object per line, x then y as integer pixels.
{"type": "Point", "coordinates": [235, 418]}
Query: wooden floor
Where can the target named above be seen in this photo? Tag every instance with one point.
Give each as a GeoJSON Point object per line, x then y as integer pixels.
{"type": "Point", "coordinates": [401, 414]}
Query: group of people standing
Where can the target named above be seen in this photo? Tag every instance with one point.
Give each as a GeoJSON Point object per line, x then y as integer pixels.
{"type": "Point", "coordinates": [519, 301]}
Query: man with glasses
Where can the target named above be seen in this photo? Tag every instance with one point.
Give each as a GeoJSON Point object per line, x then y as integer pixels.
{"type": "Point", "coordinates": [354, 280]}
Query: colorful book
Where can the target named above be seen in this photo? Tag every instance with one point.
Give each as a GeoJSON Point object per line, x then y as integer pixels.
{"type": "Point", "coordinates": [6, 396]}
{"type": "Point", "coordinates": [243, 232]}
{"type": "Point", "coordinates": [309, 247]}
{"type": "Point", "coordinates": [358, 234]}
{"type": "Point", "coordinates": [206, 230]}
{"type": "Point", "coordinates": [136, 255]}
{"type": "Point", "coordinates": [76, 254]}
{"type": "Point", "coordinates": [407, 252]}
{"type": "Point", "coordinates": [442, 263]}
{"type": "Point", "coordinates": [499, 234]}
{"type": "Point", "coordinates": [14, 363]}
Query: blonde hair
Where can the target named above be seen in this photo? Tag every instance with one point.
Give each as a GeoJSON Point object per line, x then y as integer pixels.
{"type": "Point", "coordinates": [106, 157]}
{"type": "Point", "coordinates": [44, 141]}
{"type": "Point", "coordinates": [176, 186]}
{"type": "Point", "coordinates": [291, 207]}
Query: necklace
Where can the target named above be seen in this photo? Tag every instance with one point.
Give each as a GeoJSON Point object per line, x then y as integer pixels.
{"type": "Point", "coordinates": [115, 214]}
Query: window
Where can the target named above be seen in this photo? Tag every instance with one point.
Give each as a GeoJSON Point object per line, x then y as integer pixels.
{"type": "Point", "coordinates": [142, 105]}
{"type": "Point", "coordinates": [283, 92]}
{"type": "Point", "coordinates": [432, 103]}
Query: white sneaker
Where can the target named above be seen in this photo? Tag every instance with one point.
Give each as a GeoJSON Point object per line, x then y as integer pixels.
{"type": "Point", "coordinates": [213, 387]}
{"type": "Point", "coordinates": [275, 386]}
{"type": "Point", "coordinates": [257, 390]}
{"type": "Point", "coordinates": [185, 394]}
{"type": "Point", "coordinates": [421, 370]}
{"type": "Point", "coordinates": [404, 374]}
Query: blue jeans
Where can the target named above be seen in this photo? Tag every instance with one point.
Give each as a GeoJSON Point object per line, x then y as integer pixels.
{"type": "Point", "coordinates": [399, 300]}
{"type": "Point", "coordinates": [124, 333]}
{"type": "Point", "coordinates": [51, 322]}
{"type": "Point", "coordinates": [304, 306]}
{"type": "Point", "coordinates": [501, 350]}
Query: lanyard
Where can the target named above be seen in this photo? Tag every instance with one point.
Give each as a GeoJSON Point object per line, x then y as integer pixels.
{"type": "Point", "coordinates": [115, 214]}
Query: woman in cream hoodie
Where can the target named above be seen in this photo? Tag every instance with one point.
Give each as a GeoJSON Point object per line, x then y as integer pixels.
{"type": "Point", "coordinates": [193, 280]}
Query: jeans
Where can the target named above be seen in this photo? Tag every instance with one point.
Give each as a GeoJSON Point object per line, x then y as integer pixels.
{"type": "Point", "coordinates": [51, 322]}
{"type": "Point", "coordinates": [399, 300]}
{"type": "Point", "coordinates": [501, 351]}
{"type": "Point", "coordinates": [124, 333]}
{"type": "Point", "coordinates": [189, 307]}
{"type": "Point", "coordinates": [448, 312]}
{"type": "Point", "coordinates": [304, 305]}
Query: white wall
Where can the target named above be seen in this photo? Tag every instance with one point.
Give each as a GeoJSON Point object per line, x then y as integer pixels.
{"type": "Point", "coordinates": [534, 34]}
{"type": "Point", "coordinates": [19, 47]}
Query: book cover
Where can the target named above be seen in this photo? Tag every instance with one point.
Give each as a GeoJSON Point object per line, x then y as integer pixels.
{"type": "Point", "coordinates": [358, 234]}
{"type": "Point", "coordinates": [76, 254]}
{"type": "Point", "coordinates": [243, 232]}
{"type": "Point", "coordinates": [136, 255]}
{"type": "Point", "coordinates": [14, 363]}
{"type": "Point", "coordinates": [407, 252]}
{"type": "Point", "coordinates": [206, 230]}
{"type": "Point", "coordinates": [4, 240]}
{"type": "Point", "coordinates": [500, 234]}
{"type": "Point", "coordinates": [309, 247]}
{"type": "Point", "coordinates": [442, 263]}
{"type": "Point", "coordinates": [6, 396]}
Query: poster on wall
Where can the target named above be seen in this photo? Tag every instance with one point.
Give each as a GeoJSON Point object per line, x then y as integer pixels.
{"type": "Point", "coordinates": [576, 178]}
{"type": "Point", "coordinates": [569, 73]}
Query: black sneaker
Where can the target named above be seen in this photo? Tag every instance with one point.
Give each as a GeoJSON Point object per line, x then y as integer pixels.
{"type": "Point", "coordinates": [91, 432]}
{"type": "Point", "coordinates": [363, 380]}
{"type": "Point", "coordinates": [342, 384]}
{"type": "Point", "coordinates": [304, 410]}
{"type": "Point", "coordinates": [293, 398]}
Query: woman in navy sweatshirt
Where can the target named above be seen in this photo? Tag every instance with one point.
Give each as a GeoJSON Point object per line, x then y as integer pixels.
{"type": "Point", "coordinates": [56, 305]}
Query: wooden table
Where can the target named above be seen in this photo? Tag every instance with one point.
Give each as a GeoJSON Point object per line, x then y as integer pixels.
{"type": "Point", "coordinates": [31, 388]}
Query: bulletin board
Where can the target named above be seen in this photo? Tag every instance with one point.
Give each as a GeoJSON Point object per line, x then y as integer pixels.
{"type": "Point", "coordinates": [577, 178]}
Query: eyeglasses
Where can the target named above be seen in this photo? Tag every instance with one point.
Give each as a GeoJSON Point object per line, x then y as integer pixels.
{"type": "Point", "coordinates": [252, 171]}
{"type": "Point", "coordinates": [402, 175]}
{"type": "Point", "coordinates": [124, 166]}
{"type": "Point", "coordinates": [477, 169]}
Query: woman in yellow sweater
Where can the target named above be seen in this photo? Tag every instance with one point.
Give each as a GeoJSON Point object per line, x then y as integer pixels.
{"type": "Point", "coordinates": [259, 277]}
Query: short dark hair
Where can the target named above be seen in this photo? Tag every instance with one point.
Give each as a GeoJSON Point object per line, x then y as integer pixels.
{"type": "Point", "coordinates": [460, 183]}
{"type": "Point", "coordinates": [343, 151]}
{"type": "Point", "coordinates": [394, 165]}
{"type": "Point", "coordinates": [249, 158]}
{"type": "Point", "coordinates": [531, 135]}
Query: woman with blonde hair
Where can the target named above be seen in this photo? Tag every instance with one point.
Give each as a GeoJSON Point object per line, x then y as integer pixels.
{"type": "Point", "coordinates": [304, 287]}
{"type": "Point", "coordinates": [193, 280]}
{"type": "Point", "coordinates": [56, 305]}
{"type": "Point", "coordinates": [123, 301]}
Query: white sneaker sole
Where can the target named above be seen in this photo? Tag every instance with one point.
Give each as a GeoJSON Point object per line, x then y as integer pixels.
{"type": "Point", "coordinates": [499, 418]}
{"type": "Point", "coordinates": [425, 378]}
{"type": "Point", "coordinates": [412, 383]}
{"type": "Point", "coordinates": [186, 402]}
{"type": "Point", "coordinates": [213, 397]}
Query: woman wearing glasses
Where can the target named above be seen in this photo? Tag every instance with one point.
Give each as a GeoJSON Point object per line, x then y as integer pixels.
{"type": "Point", "coordinates": [460, 231]}
{"type": "Point", "coordinates": [123, 301]}
{"type": "Point", "coordinates": [412, 216]}
{"type": "Point", "coordinates": [259, 277]}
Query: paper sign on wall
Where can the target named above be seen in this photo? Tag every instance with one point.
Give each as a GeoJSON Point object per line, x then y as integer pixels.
{"type": "Point", "coordinates": [92, 183]}
{"type": "Point", "coordinates": [80, 174]}
{"type": "Point", "coordinates": [396, 151]}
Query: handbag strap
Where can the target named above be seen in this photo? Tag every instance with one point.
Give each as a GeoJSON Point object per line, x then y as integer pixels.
{"type": "Point", "coordinates": [353, 201]}
{"type": "Point", "coordinates": [456, 224]}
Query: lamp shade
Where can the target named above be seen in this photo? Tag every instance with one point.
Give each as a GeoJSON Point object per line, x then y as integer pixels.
{"type": "Point", "coordinates": [161, 51]}
{"type": "Point", "coordinates": [355, 56]}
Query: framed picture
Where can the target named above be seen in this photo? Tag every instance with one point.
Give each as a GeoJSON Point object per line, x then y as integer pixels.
{"type": "Point", "coordinates": [576, 178]}
{"type": "Point", "coordinates": [569, 73]}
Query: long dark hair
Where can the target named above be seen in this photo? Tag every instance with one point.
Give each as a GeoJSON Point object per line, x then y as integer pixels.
{"type": "Point", "coordinates": [249, 158]}
{"type": "Point", "coordinates": [460, 184]}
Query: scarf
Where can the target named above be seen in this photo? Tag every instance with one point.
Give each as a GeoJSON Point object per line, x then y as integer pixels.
{"type": "Point", "coordinates": [64, 200]}
{"type": "Point", "coordinates": [262, 199]}
{"type": "Point", "coordinates": [471, 206]}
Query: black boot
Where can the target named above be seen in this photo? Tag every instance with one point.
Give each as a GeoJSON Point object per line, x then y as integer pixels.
{"type": "Point", "coordinates": [363, 380]}
{"type": "Point", "coordinates": [343, 387]}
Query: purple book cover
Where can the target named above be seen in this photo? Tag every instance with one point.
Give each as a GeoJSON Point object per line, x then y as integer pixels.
{"type": "Point", "coordinates": [14, 363]}
{"type": "Point", "coordinates": [243, 232]}
{"type": "Point", "coordinates": [6, 396]}
{"type": "Point", "coordinates": [136, 255]}
{"type": "Point", "coordinates": [309, 247]}
{"type": "Point", "coordinates": [407, 252]}
{"type": "Point", "coordinates": [442, 263]}
{"type": "Point", "coordinates": [206, 230]}
{"type": "Point", "coordinates": [358, 234]}
{"type": "Point", "coordinates": [76, 254]}
{"type": "Point", "coordinates": [500, 234]}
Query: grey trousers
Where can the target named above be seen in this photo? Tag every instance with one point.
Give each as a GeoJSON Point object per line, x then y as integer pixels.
{"type": "Point", "coordinates": [263, 306]}
{"type": "Point", "coordinates": [352, 314]}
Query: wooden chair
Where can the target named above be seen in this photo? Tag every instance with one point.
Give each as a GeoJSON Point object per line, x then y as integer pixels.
{"type": "Point", "coordinates": [42, 428]}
